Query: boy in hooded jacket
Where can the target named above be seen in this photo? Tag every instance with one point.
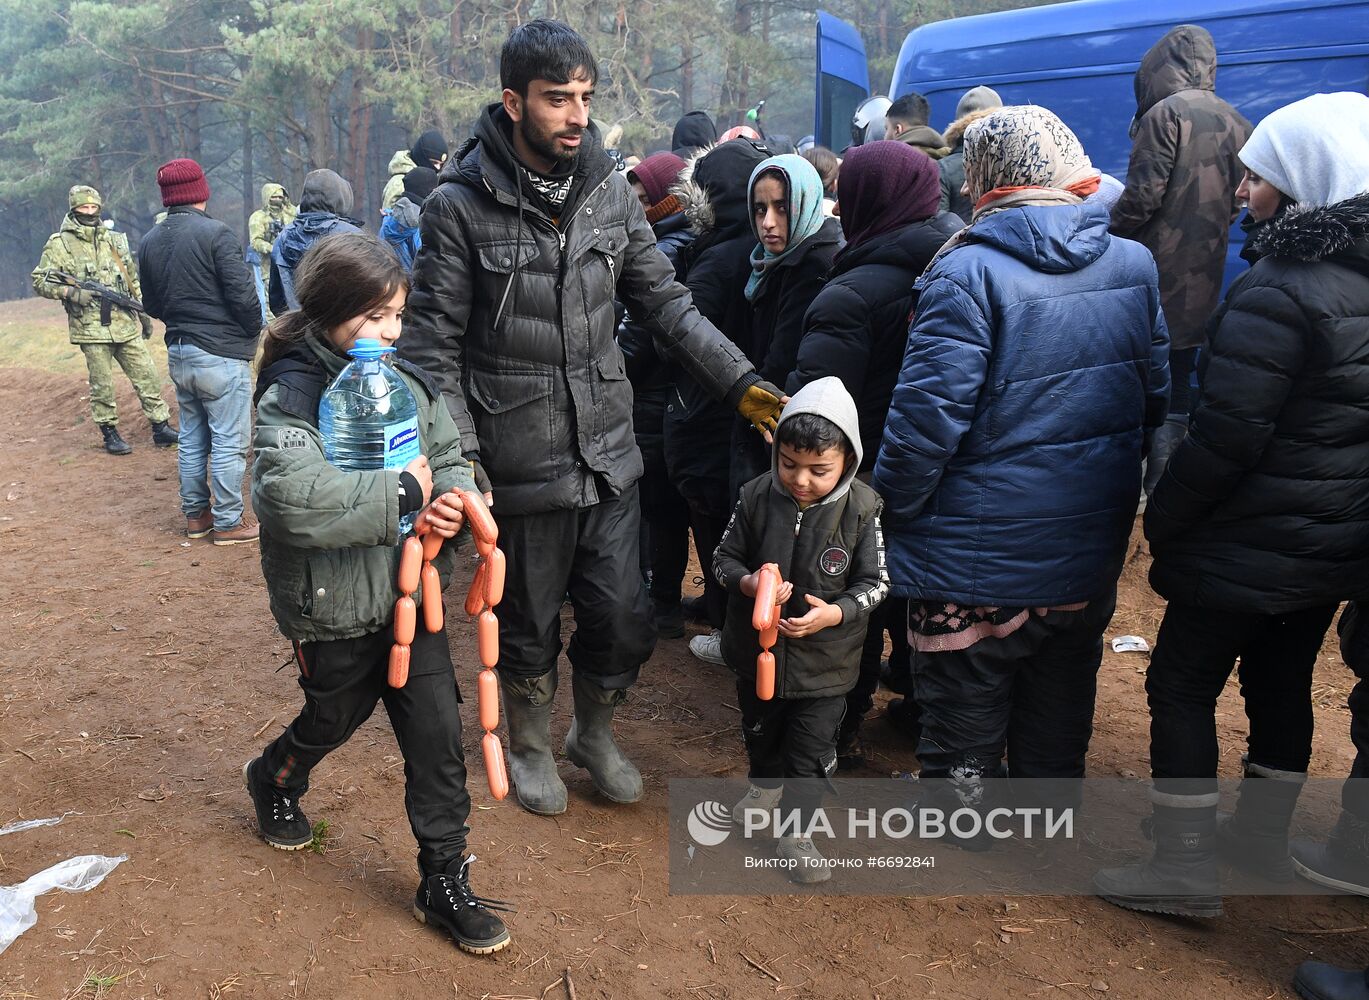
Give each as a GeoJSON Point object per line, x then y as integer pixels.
{"type": "Point", "coordinates": [813, 518]}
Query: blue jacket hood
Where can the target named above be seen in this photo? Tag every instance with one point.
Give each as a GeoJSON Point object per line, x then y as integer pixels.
{"type": "Point", "coordinates": [1054, 239]}
{"type": "Point", "coordinates": [308, 228]}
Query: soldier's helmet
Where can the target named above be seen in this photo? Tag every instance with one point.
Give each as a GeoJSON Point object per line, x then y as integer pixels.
{"type": "Point", "coordinates": [83, 194]}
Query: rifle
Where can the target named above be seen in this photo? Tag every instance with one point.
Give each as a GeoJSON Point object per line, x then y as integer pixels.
{"type": "Point", "coordinates": [108, 296]}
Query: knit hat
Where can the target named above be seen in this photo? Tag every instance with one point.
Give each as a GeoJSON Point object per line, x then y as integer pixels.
{"type": "Point", "coordinates": [977, 99]}
{"type": "Point", "coordinates": [182, 183]}
{"type": "Point", "coordinates": [83, 194]}
{"type": "Point", "coordinates": [1315, 150]}
{"type": "Point", "coordinates": [656, 173]}
{"type": "Point", "coordinates": [431, 145]}
{"type": "Point", "coordinates": [419, 183]}
{"type": "Point", "coordinates": [884, 186]}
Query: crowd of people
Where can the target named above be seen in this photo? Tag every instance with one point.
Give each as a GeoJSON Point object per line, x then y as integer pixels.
{"type": "Point", "coordinates": [931, 380]}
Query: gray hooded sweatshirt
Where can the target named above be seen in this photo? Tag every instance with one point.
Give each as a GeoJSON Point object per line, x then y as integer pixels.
{"type": "Point", "coordinates": [833, 548]}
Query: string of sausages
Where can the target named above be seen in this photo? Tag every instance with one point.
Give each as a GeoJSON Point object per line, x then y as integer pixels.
{"type": "Point", "coordinates": [487, 590]}
{"type": "Point", "coordinates": [765, 620]}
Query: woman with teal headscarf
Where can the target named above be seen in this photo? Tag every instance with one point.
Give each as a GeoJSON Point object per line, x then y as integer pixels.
{"type": "Point", "coordinates": [795, 248]}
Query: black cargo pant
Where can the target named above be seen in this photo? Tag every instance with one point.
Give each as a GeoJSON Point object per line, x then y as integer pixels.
{"type": "Point", "coordinates": [342, 681]}
{"type": "Point", "coordinates": [1194, 655]}
{"type": "Point", "coordinates": [793, 742]}
{"type": "Point", "coordinates": [665, 515]}
{"type": "Point", "coordinates": [1030, 694]}
{"type": "Point", "coordinates": [590, 553]}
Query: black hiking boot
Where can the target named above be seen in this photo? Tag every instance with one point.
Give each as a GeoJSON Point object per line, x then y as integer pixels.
{"type": "Point", "coordinates": [114, 442]}
{"type": "Point", "coordinates": [447, 901]}
{"type": "Point", "coordinates": [279, 819]}
{"type": "Point", "coordinates": [164, 435]}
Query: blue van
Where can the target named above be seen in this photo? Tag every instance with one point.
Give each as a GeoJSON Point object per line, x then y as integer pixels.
{"type": "Point", "coordinates": [1079, 60]}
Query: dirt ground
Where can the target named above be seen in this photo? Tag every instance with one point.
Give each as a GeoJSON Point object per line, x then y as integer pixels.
{"type": "Point", "coordinates": [141, 671]}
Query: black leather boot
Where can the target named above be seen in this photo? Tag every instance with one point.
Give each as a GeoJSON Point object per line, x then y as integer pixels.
{"type": "Point", "coordinates": [114, 442]}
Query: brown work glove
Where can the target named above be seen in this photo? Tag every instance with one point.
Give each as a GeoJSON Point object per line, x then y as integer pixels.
{"type": "Point", "coordinates": [761, 404]}
{"type": "Point", "coordinates": [146, 322]}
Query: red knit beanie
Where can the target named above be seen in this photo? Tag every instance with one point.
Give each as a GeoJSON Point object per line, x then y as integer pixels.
{"type": "Point", "coordinates": [182, 183]}
{"type": "Point", "coordinates": [656, 173]}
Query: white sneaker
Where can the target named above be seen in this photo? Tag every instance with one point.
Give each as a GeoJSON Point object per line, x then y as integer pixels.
{"type": "Point", "coordinates": [802, 853]}
{"type": "Point", "coordinates": [765, 800]}
{"type": "Point", "coordinates": [709, 648]}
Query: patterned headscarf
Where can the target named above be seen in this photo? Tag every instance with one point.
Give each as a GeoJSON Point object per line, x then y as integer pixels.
{"type": "Point", "coordinates": [1024, 155]}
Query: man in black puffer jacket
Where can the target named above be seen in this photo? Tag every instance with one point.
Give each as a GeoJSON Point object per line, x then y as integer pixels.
{"type": "Point", "coordinates": [196, 281]}
{"type": "Point", "coordinates": [526, 243]}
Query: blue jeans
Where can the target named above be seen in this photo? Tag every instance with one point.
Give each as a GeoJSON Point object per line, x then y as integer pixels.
{"type": "Point", "coordinates": [215, 399]}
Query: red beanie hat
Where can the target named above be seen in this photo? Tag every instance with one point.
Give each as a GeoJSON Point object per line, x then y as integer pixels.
{"type": "Point", "coordinates": [182, 183]}
{"type": "Point", "coordinates": [656, 173]}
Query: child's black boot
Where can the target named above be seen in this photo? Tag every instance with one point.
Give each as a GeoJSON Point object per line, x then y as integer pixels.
{"type": "Point", "coordinates": [448, 901]}
{"type": "Point", "coordinates": [282, 823]}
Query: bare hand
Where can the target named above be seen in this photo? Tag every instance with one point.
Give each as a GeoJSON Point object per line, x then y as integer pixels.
{"type": "Point", "coordinates": [446, 514]}
{"type": "Point", "coordinates": [822, 616]}
{"type": "Point", "coordinates": [785, 592]}
{"type": "Point", "coordinates": [419, 469]}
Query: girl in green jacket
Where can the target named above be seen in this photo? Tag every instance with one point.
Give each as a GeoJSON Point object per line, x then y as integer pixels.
{"type": "Point", "coordinates": [328, 552]}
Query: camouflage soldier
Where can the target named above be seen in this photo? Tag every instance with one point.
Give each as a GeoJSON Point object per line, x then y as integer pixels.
{"type": "Point", "coordinates": [263, 227]}
{"type": "Point", "coordinates": [87, 251]}
{"type": "Point", "coordinates": [1180, 200]}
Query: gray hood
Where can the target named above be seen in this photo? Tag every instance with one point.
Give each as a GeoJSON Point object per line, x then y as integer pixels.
{"type": "Point", "coordinates": [326, 191]}
{"type": "Point", "coordinates": [827, 397]}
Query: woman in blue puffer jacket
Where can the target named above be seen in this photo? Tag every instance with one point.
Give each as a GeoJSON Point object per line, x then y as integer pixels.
{"type": "Point", "coordinates": [1011, 461]}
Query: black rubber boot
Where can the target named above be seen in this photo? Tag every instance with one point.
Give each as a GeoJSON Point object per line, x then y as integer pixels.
{"type": "Point", "coordinates": [1181, 877]}
{"type": "Point", "coordinates": [669, 618]}
{"type": "Point", "coordinates": [532, 769]}
{"type": "Point", "coordinates": [1162, 446]}
{"type": "Point", "coordinates": [448, 901]}
{"type": "Point", "coordinates": [164, 435]}
{"type": "Point", "coordinates": [1342, 862]}
{"type": "Point", "coordinates": [590, 745]}
{"type": "Point", "coordinates": [1255, 837]}
{"type": "Point", "coordinates": [114, 442]}
{"type": "Point", "coordinates": [1319, 981]}
{"type": "Point", "coordinates": [280, 820]}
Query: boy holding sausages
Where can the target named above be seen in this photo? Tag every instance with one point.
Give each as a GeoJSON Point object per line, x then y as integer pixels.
{"type": "Point", "coordinates": [813, 518]}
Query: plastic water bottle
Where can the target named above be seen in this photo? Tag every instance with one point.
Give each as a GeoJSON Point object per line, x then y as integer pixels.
{"type": "Point", "coordinates": [368, 417]}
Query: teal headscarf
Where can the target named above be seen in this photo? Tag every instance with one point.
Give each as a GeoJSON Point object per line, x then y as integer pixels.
{"type": "Point", "coordinates": [804, 188]}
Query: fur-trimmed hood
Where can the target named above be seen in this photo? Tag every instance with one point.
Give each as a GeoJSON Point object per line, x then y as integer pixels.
{"type": "Point", "coordinates": [1312, 233]}
{"type": "Point", "coordinates": [955, 132]}
{"type": "Point", "coordinates": [713, 194]}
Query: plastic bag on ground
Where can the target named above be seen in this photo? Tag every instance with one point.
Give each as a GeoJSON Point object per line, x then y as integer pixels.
{"type": "Point", "coordinates": [79, 874]}
{"type": "Point", "coordinates": [29, 824]}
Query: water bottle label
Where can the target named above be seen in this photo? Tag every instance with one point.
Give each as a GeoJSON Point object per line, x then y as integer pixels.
{"type": "Point", "coordinates": [401, 443]}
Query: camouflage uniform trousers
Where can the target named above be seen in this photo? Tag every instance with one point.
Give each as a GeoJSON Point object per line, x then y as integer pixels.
{"type": "Point", "coordinates": [136, 361]}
